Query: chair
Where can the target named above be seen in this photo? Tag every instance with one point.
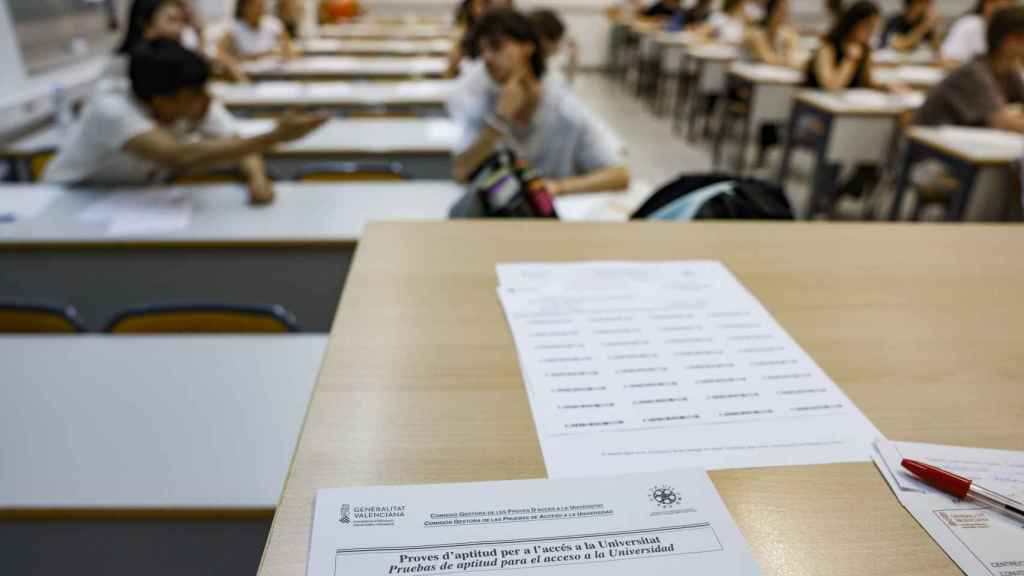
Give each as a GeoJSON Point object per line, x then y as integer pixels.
{"type": "Point", "coordinates": [352, 172]}
{"type": "Point", "coordinates": [18, 317]}
{"type": "Point", "coordinates": [203, 318]}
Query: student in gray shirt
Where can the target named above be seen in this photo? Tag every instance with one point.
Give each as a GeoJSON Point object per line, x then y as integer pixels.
{"type": "Point", "coordinates": [988, 91]}
{"type": "Point", "coordinates": [537, 118]}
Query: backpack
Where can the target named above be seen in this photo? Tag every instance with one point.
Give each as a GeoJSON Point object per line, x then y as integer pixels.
{"type": "Point", "coordinates": [504, 186]}
{"type": "Point", "coordinates": [716, 196]}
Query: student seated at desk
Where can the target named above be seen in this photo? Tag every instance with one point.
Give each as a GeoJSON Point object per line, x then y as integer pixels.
{"type": "Point", "coordinates": [697, 15]}
{"type": "Point", "coordinates": [166, 126]}
{"type": "Point", "coordinates": [254, 34]}
{"type": "Point", "coordinates": [729, 25]}
{"type": "Point", "coordinates": [917, 24]}
{"type": "Point", "coordinates": [772, 40]}
{"type": "Point", "coordinates": [152, 19]}
{"type": "Point", "coordinates": [966, 38]}
{"type": "Point", "coordinates": [843, 60]}
{"type": "Point", "coordinates": [559, 52]}
{"type": "Point", "coordinates": [989, 91]}
{"type": "Point", "coordinates": [535, 117]}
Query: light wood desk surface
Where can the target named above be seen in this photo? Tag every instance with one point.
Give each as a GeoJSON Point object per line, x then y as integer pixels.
{"type": "Point", "coordinates": [978, 146]}
{"type": "Point", "coordinates": [337, 67]}
{"type": "Point", "coordinates": [381, 47]}
{"type": "Point", "coordinates": [344, 94]}
{"type": "Point", "coordinates": [155, 425]}
{"type": "Point", "coordinates": [421, 384]}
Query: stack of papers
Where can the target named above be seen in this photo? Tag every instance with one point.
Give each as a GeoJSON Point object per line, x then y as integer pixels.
{"type": "Point", "coordinates": [981, 541]}
{"type": "Point", "coordinates": [658, 525]}
{"type": "Point", "coordinates": [141, 213]}
{"type": "Point", "coordinates": [648, 366]}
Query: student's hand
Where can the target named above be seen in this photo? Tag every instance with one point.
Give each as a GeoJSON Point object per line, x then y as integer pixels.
{"type": "Point", "coordinates": [854, 51]}
{"type": "Point", "coordinates": [554, 187]}
{"type": "Point", "coordinates": [261, 192]}
{"type": "Point", "coordinates": [293, 126]}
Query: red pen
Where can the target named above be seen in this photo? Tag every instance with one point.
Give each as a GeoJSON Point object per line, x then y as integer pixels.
{"type": "Point", "coordinates": [964, 488]}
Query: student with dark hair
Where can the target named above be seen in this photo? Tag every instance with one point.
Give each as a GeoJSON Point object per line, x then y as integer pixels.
{"type": "Point", "coordinates": [167, 125]}
{"type": "Point", "coordinates": [467, 15]}
{"type": "Point", "coordinates": [773, 41]}
{"type": "Point", "coordinates": [169, 19]}
{"type": "Point", "coordinates": [559, 52]}
{"type": "Point", "coordinates": [662, 9]}
{"type": "Point", "coordinates": [254, 34]}
{"type": "Point", "coordinates": [985, 91]}
{"type": "Point", "coordinates": [538, 119]}
{"type": "Point", "coordinates": [844, 58]}
{"type": "Point", "coordinates": [966, 37]}
{"type": "Point", "coordinates": [917, 23]}
{"type": "Point", "coordinates": [697, 14]}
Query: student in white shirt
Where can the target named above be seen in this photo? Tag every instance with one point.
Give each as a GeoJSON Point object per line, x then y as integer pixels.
{"type": "Point", "coordinates": [166, 126]}
{"type": "Point", "coordinates": [729, 25]}
{"type": "Point", "coordinates": [254, 34]}
{"type": "Point", "coordinates": [966, 38]}
{"type": "Point", "coordinates": [152, 19]}
{"type": "Point", "coordinates": [536, 117]}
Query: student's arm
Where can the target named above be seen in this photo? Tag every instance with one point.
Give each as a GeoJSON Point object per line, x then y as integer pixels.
{"type": "Point", "coordinates": [514, 96]}
{"type": "Point", "coordinates": [285, 47]}
{"type": "Point", "coordinates": [909, 41]}
{"type": "Point", "coordinates": [159, 146]}
{"type": "Point", "coordinates": [1007, 118]}
{"type": "Point", "coordinates": [261, 191]}
{"type": "Point", "coordinates": [757, 40]}
{"type": "Point", "coordinates": [611, 179]}
{"type": "Point", "coordinates": [835, 76]}
{"type": "Point", "coordinates": [471, 158]}
{"type": "Point", "coordinates": [454, 60]}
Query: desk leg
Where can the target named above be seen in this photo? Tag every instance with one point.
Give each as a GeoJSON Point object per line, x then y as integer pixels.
{"type": "Point", "coordinates": [724, 125]}
{"type": "Point", "coordinates": [823, 184]}
{"type": "Point", "coordinates": [791, 134]}
{"type": "Point", "coordinates": [748, 120]}
{"type": "Point", "coordinates": [682, 98]}
{"type": "Point", "coordinates": [965, 174]}
{"type": "Point", "coordinates": [910, 157]}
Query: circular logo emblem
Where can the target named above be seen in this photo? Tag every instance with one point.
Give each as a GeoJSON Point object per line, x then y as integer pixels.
{"type": "Point", "coordinates": [664, 496]}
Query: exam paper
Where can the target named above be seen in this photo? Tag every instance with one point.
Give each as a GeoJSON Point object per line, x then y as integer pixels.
{"type": "Point", "coordinates": [141, 213]}
{"type": "Point", "coordinates": [653, 365]}
{"type": "Point", "coordinates": [25, 203]}
{"type": "Point", "coordinates": [981, 541]}
{"type": "Point", "coordinates": [662, 524]}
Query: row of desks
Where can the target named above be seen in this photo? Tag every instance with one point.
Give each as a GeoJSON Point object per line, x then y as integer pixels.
{"type": "Point", "coordinates": [295, 253]}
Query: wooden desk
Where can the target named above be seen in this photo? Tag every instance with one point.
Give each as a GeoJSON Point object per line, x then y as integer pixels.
{"type": "Point", "coordinates": [422, 146]}
{"type": "Point", "coordinates": [158, 424]}
{"type": "Point", "coordinates": [295, 252]}
{"type": "Point", "coordinates": [977, 158]}
{"type": "Point", "coordinates": [376, 31]}
{"type": "Point", "coordinates": [421, 384]}
{"type": "Point", "coordinates": [847, 128]}
{"type": "Point", "coordinates": [418, 97]}
{"type": "Point", "coordinates": [347, 67]}
{"type": "Point", "coordinates": [356, 47]}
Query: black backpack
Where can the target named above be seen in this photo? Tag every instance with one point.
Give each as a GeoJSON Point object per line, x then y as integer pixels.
{"type": "Point", "coordinates": [747, 199]}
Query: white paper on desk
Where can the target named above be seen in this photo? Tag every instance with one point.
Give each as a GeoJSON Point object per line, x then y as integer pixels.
{"type": "Point", "coordinates": [653, 365]}
{"type": "Point", "coordinates": [662, 524]}
{"type": "Point", "coordinates": [259, 66]}
{"type": "Point", "coordinates": [27, 203]}
{"type": "Point", "coordinates": [443, 132]}
{"type": "Point", "coordinates": [141, 213]}
{"type": "Point", "coordinates": [981, 541]}
{"type": "Point", "coordinates": [329, 89]}
{"type": "Point", "coordinates": [984, 137]}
